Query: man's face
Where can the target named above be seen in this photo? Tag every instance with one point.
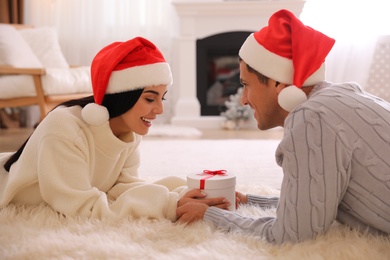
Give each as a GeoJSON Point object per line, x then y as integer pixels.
{"type": "Point", "coordinates": [262, 98]}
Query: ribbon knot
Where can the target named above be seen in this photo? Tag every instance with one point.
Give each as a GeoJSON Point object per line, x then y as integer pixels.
{"type": "Point", "coordinates": [217, 172]}
{"type": "Point", "coordinates": [209, 174]}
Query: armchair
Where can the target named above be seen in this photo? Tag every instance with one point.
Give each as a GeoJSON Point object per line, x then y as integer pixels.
{"type": "Point", "coordinates": [33, 70]}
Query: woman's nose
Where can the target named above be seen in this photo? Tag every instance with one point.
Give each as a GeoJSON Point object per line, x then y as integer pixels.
{"type": "Point", "coordinates": [159, 108]}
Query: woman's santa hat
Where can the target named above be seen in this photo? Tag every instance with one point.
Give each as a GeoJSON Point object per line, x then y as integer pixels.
{"type": "Point", "coordinates": [289, 52]}
{"type": "Point", "coordinates": [121, 67]}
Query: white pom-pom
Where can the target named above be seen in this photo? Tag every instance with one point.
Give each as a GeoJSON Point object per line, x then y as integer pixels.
{"type": "Point", "coordinates": [94, 114]}
{"type": "Point", "coordinates": [290, 97]}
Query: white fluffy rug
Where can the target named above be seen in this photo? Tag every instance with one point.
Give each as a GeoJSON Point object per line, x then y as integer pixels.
{"type": "Point", "coordinates": [39, 233]}
{"type": "Point", "coordinates": [163, 130]}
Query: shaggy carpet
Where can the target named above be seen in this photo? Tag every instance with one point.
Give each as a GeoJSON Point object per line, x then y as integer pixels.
{"type": "Point", "coordinates": [164, 130]}
{"type": "Point", "coordinates": [38, 232]}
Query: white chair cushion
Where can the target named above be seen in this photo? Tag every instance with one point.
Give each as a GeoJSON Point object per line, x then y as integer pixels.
{"type": "Point", "coordinates": [44, 43]}
{"type": "Point", "coordinates": [14, 50]}
{"type": "Point", "coordinates": [56, 81]}
{"type": "Point", "coordinates": [65, 81]}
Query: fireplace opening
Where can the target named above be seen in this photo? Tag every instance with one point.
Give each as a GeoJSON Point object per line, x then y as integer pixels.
{"type": "Point", "coordinates": [217, 68]}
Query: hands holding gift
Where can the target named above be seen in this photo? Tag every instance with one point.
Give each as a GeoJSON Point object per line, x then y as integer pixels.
{"type": "Point", "coordinates": [193, 205]}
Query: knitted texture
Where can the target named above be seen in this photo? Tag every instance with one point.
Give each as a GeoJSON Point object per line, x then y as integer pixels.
{"type": "Point", "coordinates": [336, 166]}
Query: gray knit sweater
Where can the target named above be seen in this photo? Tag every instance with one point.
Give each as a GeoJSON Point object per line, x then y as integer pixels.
{"type": "Point", "coordinates": [335, 156]}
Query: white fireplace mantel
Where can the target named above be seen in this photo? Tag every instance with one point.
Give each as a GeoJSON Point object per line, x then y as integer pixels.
{"type": "Point", "coordinates": [199, 19]}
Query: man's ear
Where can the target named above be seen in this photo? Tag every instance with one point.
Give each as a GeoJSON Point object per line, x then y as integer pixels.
{"type": "Point", "coordinates": [279, 86]}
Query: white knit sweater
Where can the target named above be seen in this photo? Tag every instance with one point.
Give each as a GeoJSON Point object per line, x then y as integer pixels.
{"type": "Point", "coordinates": [85, 170]}
{"type": "Point", "coordinates": [335, 156]}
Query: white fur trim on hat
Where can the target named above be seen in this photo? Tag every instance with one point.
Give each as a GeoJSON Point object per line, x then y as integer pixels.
{"type": "Point", "coordinates": [272, 65]}
{"type": "Point", "coordinates": [139, 77]}
{"type": "Point", "coordinates": [290, 97]}
{"type": "Point", "coordinates": [94, 114]}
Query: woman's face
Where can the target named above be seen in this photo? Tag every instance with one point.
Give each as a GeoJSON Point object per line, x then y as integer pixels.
{"type": "Point", "coordinates": [139, 118]}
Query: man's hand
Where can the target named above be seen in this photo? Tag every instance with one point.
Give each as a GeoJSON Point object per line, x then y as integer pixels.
{"type": "Point", "coordinates": [240, 199]}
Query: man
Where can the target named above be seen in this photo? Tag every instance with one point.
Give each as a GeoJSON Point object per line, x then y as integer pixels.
{"type": "Point", "coordinates": [335, 152]}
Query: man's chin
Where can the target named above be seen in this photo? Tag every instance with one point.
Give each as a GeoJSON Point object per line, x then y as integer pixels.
{"type": "Point", "coordinates": [262, 127]}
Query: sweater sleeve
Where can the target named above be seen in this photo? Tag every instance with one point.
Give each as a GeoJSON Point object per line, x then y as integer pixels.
{"type": "Point", "coordinates": [65, 183]}
{"type": "Point", "coordinates": [315, 165]}
{"type": "Point", "coordinates": [139, 198]}
{"type": "Point", "coordinates": [263, 201]}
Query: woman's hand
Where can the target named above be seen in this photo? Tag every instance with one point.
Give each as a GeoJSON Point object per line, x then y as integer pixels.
{"type": "Point", "coordinates": [193, 205]}
{"type": "Point", "coordinates": [191, 212]}
{"type": "Point", "coordinates": [199, 196]}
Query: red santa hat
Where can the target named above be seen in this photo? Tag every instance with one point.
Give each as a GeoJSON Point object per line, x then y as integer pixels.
{"type": "Point", "coordinates": [289, 52]}
{"type": "Point", "coordinates": [121, 67]}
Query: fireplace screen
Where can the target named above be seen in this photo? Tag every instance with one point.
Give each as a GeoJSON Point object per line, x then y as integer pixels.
{"type": "Point", "coordinates": [218, 74]}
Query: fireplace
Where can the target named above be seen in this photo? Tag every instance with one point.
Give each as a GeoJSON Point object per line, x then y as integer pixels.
{"type": "Point", "coordinates": [217, 70]}
{"type": "Point", "coordinates": [201, 21]}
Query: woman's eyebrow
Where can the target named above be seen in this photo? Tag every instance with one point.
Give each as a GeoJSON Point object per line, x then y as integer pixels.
{"type": "Point", "coordinates": [151, 91]}
{"type": "Point", "coordinates": [154, 92]}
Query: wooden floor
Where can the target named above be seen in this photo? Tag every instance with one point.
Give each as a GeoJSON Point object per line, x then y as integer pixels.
{"type": "Point", "coordinates": [11, 139]}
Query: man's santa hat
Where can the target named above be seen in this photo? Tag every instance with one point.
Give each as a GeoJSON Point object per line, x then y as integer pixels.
{"type": "Point", "coordinates": [289, 52]}
{"type": "Point", "coordinates": [121, 67]}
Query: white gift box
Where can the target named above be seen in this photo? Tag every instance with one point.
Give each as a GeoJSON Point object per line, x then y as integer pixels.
{"type": "Point", "coordinates": [215, 184]}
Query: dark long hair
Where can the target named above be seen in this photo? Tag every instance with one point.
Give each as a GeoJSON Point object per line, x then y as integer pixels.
{"type": "Point", "coordinates": [116, 104]}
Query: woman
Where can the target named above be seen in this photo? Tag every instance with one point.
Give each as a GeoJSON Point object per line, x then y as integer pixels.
{"type": "Point", "coordinates": [83, 158]}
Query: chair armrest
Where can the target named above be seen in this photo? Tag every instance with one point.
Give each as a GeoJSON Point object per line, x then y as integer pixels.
{"type": "Point", "coordinates": [20, 26]}
{"type": "Point", "coordinates": [4, 70]}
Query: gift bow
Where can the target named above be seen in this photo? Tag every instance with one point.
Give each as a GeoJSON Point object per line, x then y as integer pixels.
{"type": "Point", "coordinates": [217, 172]}
{"type": "Point", "coordinates": [209, 174]}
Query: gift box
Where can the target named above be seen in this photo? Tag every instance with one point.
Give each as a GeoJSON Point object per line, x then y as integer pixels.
{"type": "Point", "coordinates": [215, 184]}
